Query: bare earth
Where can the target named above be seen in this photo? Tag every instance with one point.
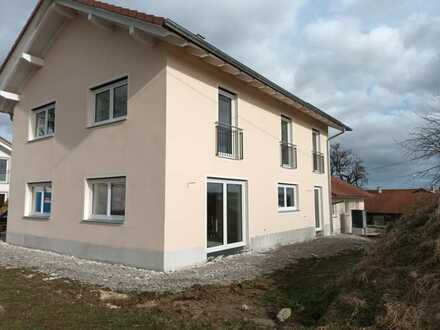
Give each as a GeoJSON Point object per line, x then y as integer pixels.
{"type": "Point", "coordinates": [220, 271]}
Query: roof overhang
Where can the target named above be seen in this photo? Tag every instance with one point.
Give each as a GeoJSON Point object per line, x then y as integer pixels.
{"type": "Point", "coordinates": [49, 17]}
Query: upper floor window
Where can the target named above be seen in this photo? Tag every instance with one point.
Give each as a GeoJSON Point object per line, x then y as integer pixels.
{"type": "Point", "coordinates": [318, 157]}
{"type": "Point", "coordinates": [110, 101]}
{"type": "Point", "coordinates": [40, 199]}
{"type": "Point", "coordinates": [3, 170]}
{"type": "Point", "coordinates": [229, 136]}
{"type": "Point", "coordinates": [288, 150]}
{"type": "Point", "coordinates": [43, 119]}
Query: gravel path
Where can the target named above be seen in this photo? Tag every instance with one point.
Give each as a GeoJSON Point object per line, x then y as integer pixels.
{"type": "Point", "coordinates": [222, 270]}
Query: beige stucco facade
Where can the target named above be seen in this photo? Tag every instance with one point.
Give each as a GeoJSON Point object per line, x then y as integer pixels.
{"type": "Point", "coordinates": [165, 149]}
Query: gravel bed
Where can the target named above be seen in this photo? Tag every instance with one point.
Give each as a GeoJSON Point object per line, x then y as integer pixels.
{"type": "Point", "coordinates": [219, 271]}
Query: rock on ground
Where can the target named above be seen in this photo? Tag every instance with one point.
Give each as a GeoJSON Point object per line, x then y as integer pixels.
{"type": "Point", "coordinates": [219, 271]}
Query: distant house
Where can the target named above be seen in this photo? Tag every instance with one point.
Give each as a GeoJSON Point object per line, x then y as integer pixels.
{"type": "Point", "coordinates": [387, 205]}
{"type": "Point", "coordinates": [348, 209]}
{"type": "Point", "coordinates": [5, 156]}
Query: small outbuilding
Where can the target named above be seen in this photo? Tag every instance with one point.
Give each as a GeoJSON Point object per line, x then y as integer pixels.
{"type": "Point", "coordinates": [348, 207]}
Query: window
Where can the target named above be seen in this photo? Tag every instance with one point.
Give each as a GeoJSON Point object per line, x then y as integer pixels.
{"type": "Point", "coordinates": [287, 197]}
{"type": "Point", "coordinates": [110, 101]}
{"type": "Point", "coordinates": [44, 121]}
{"type": "Point", "coordinates": [288, 150]}
{"type": "Point", "coordinates": [3, 170]}
{"type": "Point", "coordinates": [316, 141]}
{"type": "Point", "coordinates": [41, 199]}
{"type": "Point", "coordinates": [318, 157]}
{"type": "Point", "coordinates": [229, 136]}
{"type": "Point", "coordinates": [106, 199]}
{"type": "Point", "coordinates": [334, 210]}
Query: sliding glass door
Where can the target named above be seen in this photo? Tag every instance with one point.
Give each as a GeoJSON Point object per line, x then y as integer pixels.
{"type": "Point", "coordinates": [225, 211]}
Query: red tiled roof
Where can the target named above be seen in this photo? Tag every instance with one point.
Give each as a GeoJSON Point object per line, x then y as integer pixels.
{"type": "Point", "coordinates": [342, 189]}
{"type": "Point", "coordinates": [393, 201]}
{"type": "Point", "coordinates": [124, 11]}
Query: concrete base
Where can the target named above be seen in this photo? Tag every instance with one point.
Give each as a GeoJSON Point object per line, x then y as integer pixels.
{"type": "Point", "coordinates": [153, 260]}
{"type": "Point", "coordinates": [264, 242]}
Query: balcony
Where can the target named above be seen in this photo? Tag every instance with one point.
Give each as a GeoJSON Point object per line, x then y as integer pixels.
{"type": "Point", "coordinates": [229, 141]}
{"type": "Point", "coordinates": [318, 162]}
{"type": "Point", "coordinates": [288, 155]}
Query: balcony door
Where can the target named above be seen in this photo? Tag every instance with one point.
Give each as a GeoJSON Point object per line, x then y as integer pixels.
{"type": "Point", "coordinates": [318, 207]}
{"type": "Point", "coordinates": [225, 215]}
{"type": "Point", "coordinates": [226, 122]}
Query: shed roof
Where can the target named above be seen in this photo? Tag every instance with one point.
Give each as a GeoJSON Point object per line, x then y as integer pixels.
{"type": "Point", "coordinates": [344, 190]}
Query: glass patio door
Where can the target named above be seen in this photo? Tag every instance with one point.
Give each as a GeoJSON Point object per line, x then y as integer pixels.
{"type": "Point", "coordinates": [225, 211]}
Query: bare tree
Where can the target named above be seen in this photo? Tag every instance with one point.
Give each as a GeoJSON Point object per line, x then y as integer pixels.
{"type": "Point", "coordinates": [347, 166]}
{"type": "Point", "coordinates": [424, 145]}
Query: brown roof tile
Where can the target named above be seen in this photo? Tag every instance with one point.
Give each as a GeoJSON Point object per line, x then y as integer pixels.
{"type": "Point", "coordinates": [393, 201]}
{"type": "Point", "coordinates": [342, 189]}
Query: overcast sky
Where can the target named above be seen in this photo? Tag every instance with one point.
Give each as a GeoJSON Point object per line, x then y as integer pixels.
{"type": "Point", "coordinates": [374, 64]}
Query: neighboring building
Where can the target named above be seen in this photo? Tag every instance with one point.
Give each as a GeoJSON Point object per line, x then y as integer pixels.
{"type": "Point", "coordinates": [348, 204]}
{"type": "Point", "coordinates": [137, 142]}
{"type": "Point", "coordinates": [5, 167]}
{"type": "Point", "coordinates": [388, 205]}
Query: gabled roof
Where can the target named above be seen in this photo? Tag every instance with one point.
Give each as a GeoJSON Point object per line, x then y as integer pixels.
{"type": "Point", "coordinates": [393, 201]}
{"type": "Point", "coordinates": [23, 60]}
{"type": "Point", "coordinates": [344, 190]}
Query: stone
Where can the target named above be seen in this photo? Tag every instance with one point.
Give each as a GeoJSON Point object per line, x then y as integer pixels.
{"type": "Point", "coordinates": [264, 323]}
{"type": "Point", "coordinates": [110, 295]}
{"type": "Point", "coordinates": [244, 308]}
{"type": "Point", "coordinates": [148, 304]}
{"type": "Point", "coordinates": [111, 306]}
{"type": "Point", "coordinates": [284, 314]}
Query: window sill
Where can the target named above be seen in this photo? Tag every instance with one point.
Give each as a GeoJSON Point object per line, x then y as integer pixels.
{"type": "Point", "coordinates": [288, 210]}
{"type": "Point", "coordinates": [104, 221]}
{"type": "Point", "coordinates": [39, 138]}
{"type": "Point", "coordinates": [287, 167]}
{"type": "Point", "coordinates": [106, 122]}
{"type": "Point", "coordinates": [37, 217]}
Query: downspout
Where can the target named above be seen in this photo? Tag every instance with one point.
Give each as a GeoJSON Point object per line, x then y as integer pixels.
{"type": "Point", "coordinates": [330, 177]}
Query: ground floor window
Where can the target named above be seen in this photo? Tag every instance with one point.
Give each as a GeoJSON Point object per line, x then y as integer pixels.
{"type": "Point", "coordinates": [106, 198]}
{"type": "Point", "coordinates": [287, 197]}
{"type": "Point", "coordinates": [41, 199]}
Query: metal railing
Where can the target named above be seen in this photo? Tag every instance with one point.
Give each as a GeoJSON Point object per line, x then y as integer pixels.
{"type": "Point", "coordinates": [229, 141]}
{"type": "Point", "coordinates": [288, 155]}
{"type": "Point", "coordinates": [318, 162]}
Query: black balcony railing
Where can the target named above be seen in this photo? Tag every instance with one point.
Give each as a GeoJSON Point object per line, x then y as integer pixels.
{"type": "Point", "coordinates": [288, 155]}
{"type": "Point", "coordinates": [318, 162]}
{"type": "Point", "coordinates": [229, 141]}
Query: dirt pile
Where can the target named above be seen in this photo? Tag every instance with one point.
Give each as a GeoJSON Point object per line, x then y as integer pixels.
{"type": "Point", "coordinates": [397, 284]}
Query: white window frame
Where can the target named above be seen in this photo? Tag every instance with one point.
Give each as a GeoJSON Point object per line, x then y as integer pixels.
{"type": "Point", "coordinates": [321, 204]}
{"type": "Point", "coordinates": [7, 170]}
{"type": "Point", "coordinates": [111, 86]}
{"type": "Point", "coordinates": [36, 187]}
{"type": "Point", "coordinates": [288, 120]}
{"type": "Point", "coordinates": [234, 119]}
{"type": "Point", "coordinates": [226, 245]}
{"type": "Point", "coordinates": [33, 122]}
{"type": "Point", "coordinates": [318, 146]}
{"type": "Point", "coordinates": [286, 208]}
{"type": "Point", "coordinates": [88, 210]}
